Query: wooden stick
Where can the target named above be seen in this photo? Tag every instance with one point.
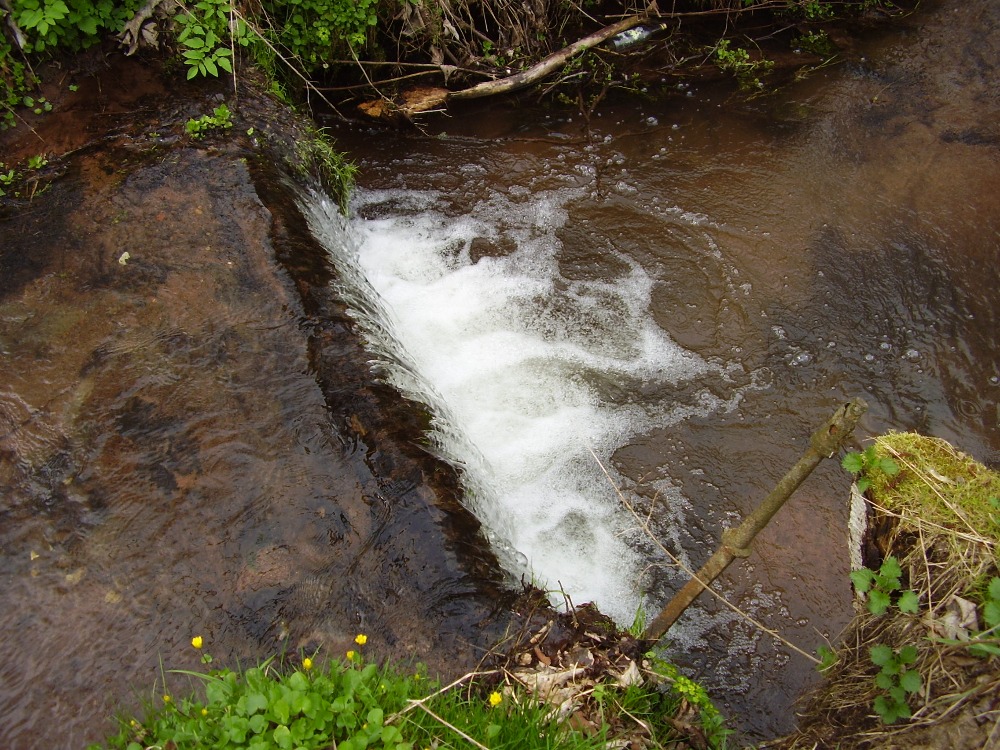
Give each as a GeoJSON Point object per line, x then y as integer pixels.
{"type": "Point", "coordinates": [736, 542]}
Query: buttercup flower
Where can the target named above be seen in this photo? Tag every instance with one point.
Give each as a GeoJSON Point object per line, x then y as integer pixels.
{"type": "Point", "coordinates": [350, 656]}
{"type": "Point", "coordinates": [197, 641]}
{"type": "Point", "coordinates": [204, 712]}
{"type": "Point", "coordinates": [495, 699]}
{"type": "Point", "coordinates": [307, 664]}
{"type": "Point", "coordinates": [361, 639]}
{"type": "Point", "coordinates": [166, 699]}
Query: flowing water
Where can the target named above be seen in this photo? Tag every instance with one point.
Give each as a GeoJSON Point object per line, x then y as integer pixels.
{"type": "Point", "coordinates": [658, 305]}
{"type": "Point", "coordinates": [666, 300]}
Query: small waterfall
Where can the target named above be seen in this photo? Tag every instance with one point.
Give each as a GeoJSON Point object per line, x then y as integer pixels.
{"type": "Point", "coordinates": [529, 372]}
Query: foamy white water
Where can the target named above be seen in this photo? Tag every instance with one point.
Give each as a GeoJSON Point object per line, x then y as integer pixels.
{"type": "Point", "coordinates": [528, 373]}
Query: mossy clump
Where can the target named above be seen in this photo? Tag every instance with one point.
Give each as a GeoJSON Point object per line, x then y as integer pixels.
{"type": "Point", "coordinates": [933, 513]}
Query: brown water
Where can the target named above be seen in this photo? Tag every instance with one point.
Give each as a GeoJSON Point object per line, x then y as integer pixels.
{"type": "Point", "coordinates": [839, 238]}
{"type": "Point", "coordinates": [191, 442]}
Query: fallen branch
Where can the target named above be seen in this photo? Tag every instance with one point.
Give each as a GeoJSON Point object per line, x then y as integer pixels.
{"type": "Point", "coordinates": [432, 98]}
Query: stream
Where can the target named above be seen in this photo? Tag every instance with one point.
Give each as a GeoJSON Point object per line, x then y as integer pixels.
{"type": "Point", "coordinates": [277, 427]}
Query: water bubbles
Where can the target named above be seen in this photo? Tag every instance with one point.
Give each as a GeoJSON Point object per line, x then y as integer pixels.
{"type": "Point", "coordinates": [912, 355]}
{"type": "Point", "coordinates": [885, 346]}
{"type": "Point", "coordinates": [779, 333]}
{"type": "Point", "coordinates": [801, 359]}
{"type": "Point", "coordinates": [652, 121]}
{"type": "Point", "coordinates": [995, 380]}
{"type": "Point", "coordinates": [869, 357]}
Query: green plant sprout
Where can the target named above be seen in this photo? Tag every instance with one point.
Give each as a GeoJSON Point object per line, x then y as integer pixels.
{"type": "Point", "coordinates": [220, 119]}
{"type": "Point", "coordinates": [881, 586]}
{"type": "Point", "coordinates": [866, 465]}
{"type": "Point", "coordinates": [896, 679]}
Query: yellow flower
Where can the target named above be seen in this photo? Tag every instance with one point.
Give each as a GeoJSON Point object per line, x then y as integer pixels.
{"type": "Point", "coordinates": [307, 664]}
{"type": "Point", "coordinates": [166, 699]}
{"type": "Point", "coordinates": [350, 656]}
{"type": "Point", "coordinates": [495, 699]}
{"type": "Point", "coordinates": [204, 712]}
{"type": "Point", "coordinates": [361, 639]}
{"type": "Point", "coordinates": [197, 641]}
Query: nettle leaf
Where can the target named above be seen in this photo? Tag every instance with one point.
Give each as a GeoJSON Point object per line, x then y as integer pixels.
{"type": "Point", "coordinates": [909, 602]}
{"type": "Point", "coordinates": [994, 589]}
{"type": "Point", "coordinates": [878, 602]}
{"type": "Point", "coordinates": [991, 614]}
{"type": "Point", "coordinates": [890, 568]}
{"type": "Point", "coordinates": [908, 654]}
{"type": "Point", "coordinates": [885, 681]}
{"type": "Point", "coordinates": [862, 579]}
{"type": "Point", "coordinates": [910, 681]}
{"type": "Point", "coordinates": [863, 485]}
{"type": "Point", "coordinates": [881, 654]}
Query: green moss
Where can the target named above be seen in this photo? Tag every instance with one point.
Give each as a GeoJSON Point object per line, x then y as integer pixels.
{"type": "Point", "coordinates": [938, 484]}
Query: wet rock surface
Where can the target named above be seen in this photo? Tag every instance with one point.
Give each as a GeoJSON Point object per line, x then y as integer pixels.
{"type": "Point", "coordinates": [191, 441]}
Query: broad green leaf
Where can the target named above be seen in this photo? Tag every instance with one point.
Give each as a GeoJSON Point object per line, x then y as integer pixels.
{"type": "Point", "coordinates": [878, 602]}
{"type": "Point", "coordinates": [194, 42]}
{"type": "Point", "coordinates": [881, 654]}
{"type": "Point", "coordinates": [991, 614]}
{"type": "Point", "coordinates": [853, 463]}
{"type": "Point", "coordinates": [223, 62]}
{"type": "Point", "coordinates": [908, 654]}
{"type": "Point", "coordinates": [256, 702]}
{"type": "Point", "coordinates": [862, 579]}
{"type": "Point", "coordinates": [890, 568]}
{"type": "Point", "coordinates": [192, 72]}
{"type": "Point", "coordinates": [210, 67]}
{"type": "Point", "coordinates": [910, 681]}
{"type": "Point", "coordinates": [994, 589]}
{"type": "Point", "coordinates": [909, 602]}
{"type": "Point", "coordinates": [885, 681]}
{"type": "Point", "coordinates": [375, 717]}
{"type": "Point", "coordinates": [282, 737]}
{"type": "Point", "coordinates": [258, 723]}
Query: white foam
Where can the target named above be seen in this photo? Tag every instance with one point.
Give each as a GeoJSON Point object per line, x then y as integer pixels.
{"type": "Point", "coordinates": [525, 370]}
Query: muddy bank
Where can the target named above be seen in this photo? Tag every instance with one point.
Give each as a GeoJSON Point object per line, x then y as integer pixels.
{"type": "Point", "coordinates": [190, 437]}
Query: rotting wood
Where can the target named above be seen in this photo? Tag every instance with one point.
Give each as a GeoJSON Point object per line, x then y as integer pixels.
{"type": "Point", "coordinates": [826, 441]}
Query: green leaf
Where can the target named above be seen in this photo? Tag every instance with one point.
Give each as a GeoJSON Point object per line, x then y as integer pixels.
{"type": "Point", "coordinates": [910, 681]}
{"type": "Point", "coordinates": [224, 63]}
{"type": "Point", "coordinates": [863, 485]}
{"type": "Point", "coordinates": [984, 649]}
{"type": "Point", "coordinates": [210, 67]}
{"type": "Point", "coordinates": [994, 589]}
{"type": "Point", "coordinates": [862, 580]}
{"type": "Point", "coordinates": [890, 568]}
{"type": "Point", "coordinates": [282, 737]}
{"type": "Point", "coordinates": [256, 702]}
{"type": "Point", "coordinates": [885, 681]}
{"type": "Point", "coordinates": [257, 723]}
{"type": "Point", "coordinates": [853, 462]}
{"type": "Point", "coordinates": [194, 42]}
{"type": "Point", "coordinates": [991, 614]}
{"type": "Point", "coordinates": [889, 466]}
{"type": "Point", "coordinates": [908, 654]}
{"type": "Point", "coordinates": [881, 654]}
{"type": "Point", "coordinates": [909, 602]}
{"type": "Point", "coordinates": [192, 72]}
{"type": "Point", "coordinates": [878, 602]}
{"type": "Point", "coordinates": [885, 709]}
{"type": "Point", "coordinates": [492, 731]}
{"type": "Point", "coordinates": [375, 717]}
